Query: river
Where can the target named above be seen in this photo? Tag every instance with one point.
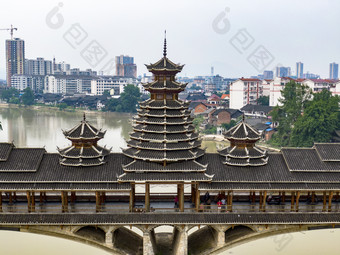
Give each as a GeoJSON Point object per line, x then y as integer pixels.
{"type": "Point", "coordinates": [28, 127]}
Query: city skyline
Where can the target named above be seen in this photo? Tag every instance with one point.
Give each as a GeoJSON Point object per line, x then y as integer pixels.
{"type": "Point", "coordinates": [195, 41]}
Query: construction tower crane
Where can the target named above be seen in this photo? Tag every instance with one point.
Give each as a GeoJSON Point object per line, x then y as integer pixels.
{"type": "Point", "coordinates": [10, 29]}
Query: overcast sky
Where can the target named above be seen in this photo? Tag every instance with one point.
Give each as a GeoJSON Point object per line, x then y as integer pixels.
{"type": "Point", "coordinates": [200, 34]}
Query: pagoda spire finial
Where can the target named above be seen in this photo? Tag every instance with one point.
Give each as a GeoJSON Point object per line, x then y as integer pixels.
{"type": "Point", "coordinates": [164, 50]}
{"type": "Point", "coordinates": [84, 117]}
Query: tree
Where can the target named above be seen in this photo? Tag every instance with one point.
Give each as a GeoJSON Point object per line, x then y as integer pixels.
{"type": "Point", "coordinates": [294, 98]}
{"type": "Point", "coordinates": [319, 120]}
{"type": "Point", "coordinates": [106, 93]}
{"type": "Point", "coordinates": [195, 87]}
{"type": "Point", "coordinates": [198, 120]}
{"type": "Point", "coordinates": [28, 96]}
{"type": "Point", "coordinates": [129, 98]}
{"type": "Point", "coordinates": [263, 100]}
{"type": "Point", "coordinates": [62, 106]}
{"type": "Point", "coordinates": [127, 102]}
{"type": "Point", "coordinates": [8, 94]}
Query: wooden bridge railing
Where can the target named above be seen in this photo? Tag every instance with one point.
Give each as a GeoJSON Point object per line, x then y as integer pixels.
{"type": "Point", "coordinates": [124, 208]}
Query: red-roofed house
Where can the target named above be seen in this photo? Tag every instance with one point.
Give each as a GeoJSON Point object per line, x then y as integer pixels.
{"type": "Point", "coordinates": [214, 99]}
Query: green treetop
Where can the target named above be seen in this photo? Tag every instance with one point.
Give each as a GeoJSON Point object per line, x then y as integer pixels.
{"type": "Point", "coordinates": [320, 119]}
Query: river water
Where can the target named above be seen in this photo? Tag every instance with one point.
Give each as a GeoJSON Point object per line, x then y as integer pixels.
{"type": "Point", "coordinates": [43, 128]}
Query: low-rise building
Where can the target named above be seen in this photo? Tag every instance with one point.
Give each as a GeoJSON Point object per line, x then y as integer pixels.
{"type": "Point", "coordinates": [223, 116]}
{"type": "Point", "coordinates": [245, 91]}
{"type": "Point", "coordinates": [117, 83]}
{"type": "Point", "coordinates": [256, 110]}
{"type": "Point", "coordinates": [21, 82]}
{"type": "Point", "coordinates": [68, 84]}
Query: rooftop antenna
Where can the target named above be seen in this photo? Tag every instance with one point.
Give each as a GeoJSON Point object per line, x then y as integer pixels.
{"type": "Point", "coordinates": [164, 50]}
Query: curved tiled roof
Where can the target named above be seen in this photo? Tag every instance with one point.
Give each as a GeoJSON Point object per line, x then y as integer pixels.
{"type": "Point", "coordinates": [242, 131]}
{"type": "Point", "coordinates": [164, 64]}
{"type": "Point", "coordinates": [84, 150]}
{"type": "Point", "coordinates": [84, 130]}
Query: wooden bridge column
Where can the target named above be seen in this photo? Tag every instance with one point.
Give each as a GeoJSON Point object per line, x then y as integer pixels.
{"type": "Point", "coordinates": [324, 201]}
{"type": "Point", "coordinates": [193, 190]}
{"type": "Point", "coordinates": [283, 198]}
{"type": "Point", "coordinates": [132, 197]}
{"type": "Point", "coordinates": [10, 198]}
{"type": "Point", "coordinates": [297, 201]}
{"type": "Point", "coordinates": [147, 197]}
{"type": "Point", "coordinates": [330, 197]}
{"type": "Point", "coordinates": [253, 201]}
{"type": "Point", "coordinates": [64, 201]}
{"type": "Point", "coordinates": [181, 196]}
{"type": "Point", "coordinates": [73, 197]}
{"type": "Point", "coordinates": [230, 201]}
{"type": "Point", "coordinates": [28, 194]}
{"type": "Point", "coordinates": [264, 198]}
{"type": "Point", "coordinates": [98, 201]}
{"type": "Point", "coordinates": [313, 197]}
{"type": "Point", "coordinates": [41, 200]}
{"type": "Point", "coordinates": [103, 198]}
{"type": "Point", "coordinates": [198, 198]}
{"type": "Point", "coordinates": [292, 201]}
{"type": "Point", "coordinates": [32, 201]}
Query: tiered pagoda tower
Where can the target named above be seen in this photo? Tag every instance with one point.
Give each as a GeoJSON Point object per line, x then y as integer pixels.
{"type": "Point", "coordinates": [163, 132]}
{"type": "Point", "coordinates": [84, 150]}
{"type": "Point", "coordinates": [242, 150]}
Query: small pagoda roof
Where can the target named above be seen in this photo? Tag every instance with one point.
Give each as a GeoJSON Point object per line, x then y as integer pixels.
{"type": "Point", "coordinates": [85, 162]}
{"type": "Point", "coordinates": [244, 156]}
{"type": "Point", "coordinates": [242, 131]}
{"type": "Point", "coordinates": [164, 64]}
{"type": "Point", "coordinates": [165, 86]}
{"type": "Point", "coordinates": [83, 152]}
{"type": "Point", "coordinates": [245, 161]}
{"type": "Point", "coordinates": [84, 130]}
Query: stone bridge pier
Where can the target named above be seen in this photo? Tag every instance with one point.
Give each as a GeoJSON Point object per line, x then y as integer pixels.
{"type": "Point", "coordinates": [184, 239]}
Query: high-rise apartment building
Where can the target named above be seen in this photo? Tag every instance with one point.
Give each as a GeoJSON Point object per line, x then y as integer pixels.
{"type": "Point", "coordinates": [268, 75]}
{"type": "Point", "coordinates": [15, 58]}
{"type": "Point", "coordinates": [125, 66]}
{"type": "Point", "coordinates": [282, 71]}
{"type": "Point", "coordinates": [333, 71]}
{"type": "Point", "coordinates": [38, 66]}
{"type": "Point", "coordinates": [299, 70]}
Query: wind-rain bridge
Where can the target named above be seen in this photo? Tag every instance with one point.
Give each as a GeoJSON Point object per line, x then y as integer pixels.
{"type": "Point", "coordinates": [116, 201]}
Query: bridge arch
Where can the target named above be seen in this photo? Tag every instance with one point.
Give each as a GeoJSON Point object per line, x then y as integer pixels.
{"type": "Point", "coordinates": [129, 241]}
{"type": "Point", "coordinates": [202, 239]}
{"type": "Point", "coordinates": [235, 232]}
{"type": "Point", "coordinates": [91, 232]}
